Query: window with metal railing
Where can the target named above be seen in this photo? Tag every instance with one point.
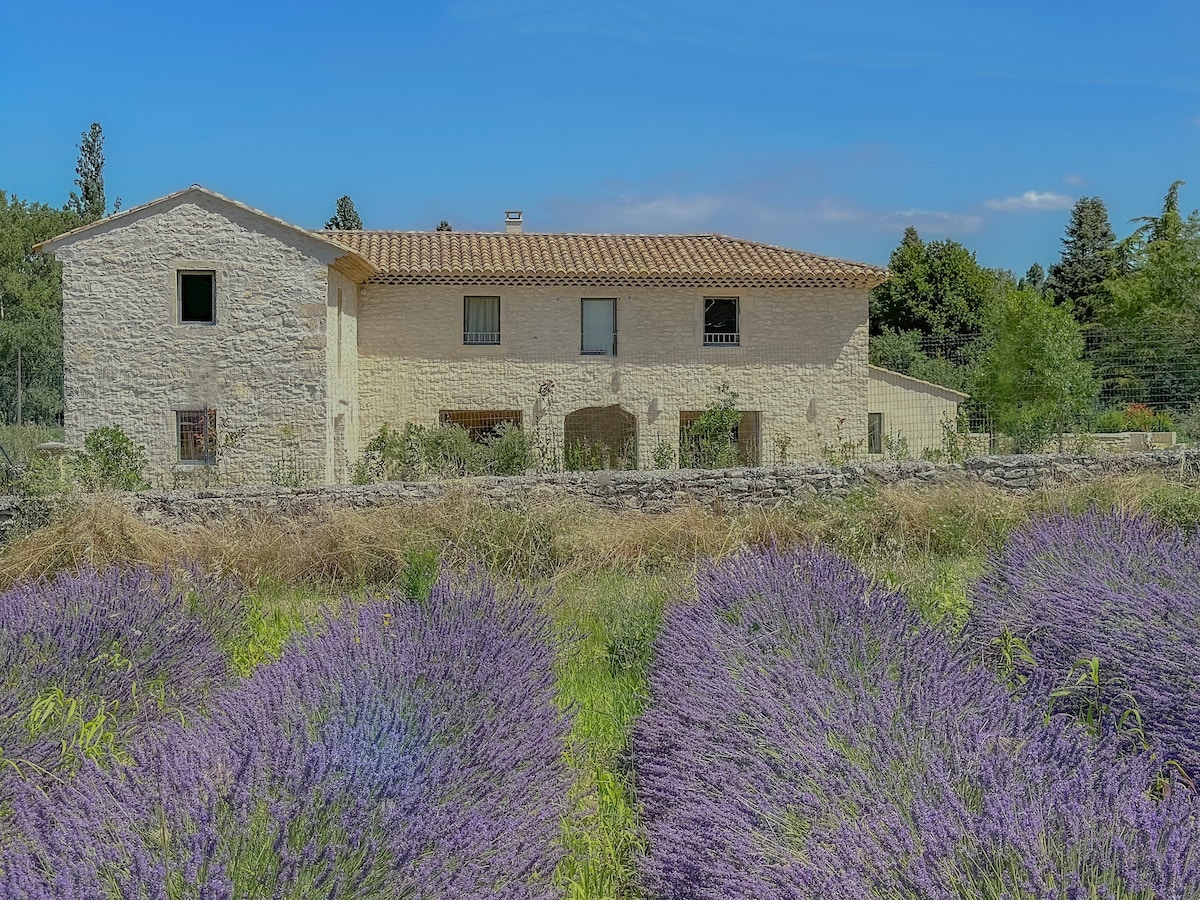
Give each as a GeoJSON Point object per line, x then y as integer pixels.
{"type": "Point", "coordinates": [721, 326]}
{"type": "Point", "coordinates": [481, 320]}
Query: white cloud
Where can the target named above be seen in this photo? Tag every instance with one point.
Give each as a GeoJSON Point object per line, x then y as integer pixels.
{"type": "Point", "coordinates": [1074, 180]}
{"type": "Point", "coordinates": [1031, 200]}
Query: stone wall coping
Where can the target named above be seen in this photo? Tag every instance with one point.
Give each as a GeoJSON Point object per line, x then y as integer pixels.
{"type": "Point", "coordinates": [651, 490]}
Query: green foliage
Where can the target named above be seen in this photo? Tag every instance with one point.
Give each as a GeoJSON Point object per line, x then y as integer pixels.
{"type": "Point", "coordinates": [609, 623]}
{"type": "Point", "coordinates": [290, 468]}
{"type": "Point", "coordinates": [663, 455]}
{"type": "Point", "coordinates": [1134, 417]}
{"type": "Point", "coordinates": [345, 218]}
{"type": "Point", "coordinates": [844, 449]}
{"type": "Point", "coordinates": [444, 226]}
{"type": "Point", "coordinates": [418, 452]}
{"type": "Point", "coordinates": [1088, 259]}
{"type": "Point", "coordinates": [110, 461]}
{"type": "Point", "coordinates": [420, 574]}
{"type": "Point", "coordinates": [936, 288]}
{"type": "Point", "coordinates": [87, 727]}
{"type": "Point", "coordinates": [1032, 378]}
{"type": "Point", "coordinates": [709, 440]}
{"type": "Point", "coordinates": [30, 310]}
{"type": "Point", "coordinates": [89, 204]}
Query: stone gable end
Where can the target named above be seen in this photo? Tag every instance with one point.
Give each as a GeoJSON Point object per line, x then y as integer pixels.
{"type": "Point", "coordinates": [261, 363]}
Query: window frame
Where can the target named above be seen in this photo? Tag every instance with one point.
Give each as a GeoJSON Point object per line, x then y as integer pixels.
{"type": "Point", "coordinates": [875, 432]}
{"type": "Point", "coordinates": [466, 314]}
{"type": "Point", "coordinates": [711, 338]}
{"type": "Point", "coordinates": [481, 424]}
{"type": "Point", "coordinates": [182, 273]}
{"type": "Point", "coordinates": [612, 350]}
{"type": "Point", "coordinates": [203, 442]}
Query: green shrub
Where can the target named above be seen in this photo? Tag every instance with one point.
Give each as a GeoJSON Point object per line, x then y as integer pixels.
{"type": "Point", "coordinates": [509, 450]}
{"type": "Point", "coordinates": [110, 461]}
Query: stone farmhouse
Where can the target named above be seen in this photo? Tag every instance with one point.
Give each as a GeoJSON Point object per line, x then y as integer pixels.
{"type": "Point", "coordinates": [195, 317]}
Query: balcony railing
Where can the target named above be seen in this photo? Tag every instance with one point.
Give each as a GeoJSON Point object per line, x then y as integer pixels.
{"type": "Point", "coordinates": [722, 339]}
{"type": "Point", "coordinates": [481, 337]}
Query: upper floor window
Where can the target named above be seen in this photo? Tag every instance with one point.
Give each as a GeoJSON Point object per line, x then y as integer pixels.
{"type": "Point", "coordinates": [598, 327]}
{"type": "Point", "coordinates": [721, 322]}
{"type": "Point", "coordinates": [481, 320]}
{"type": "Point", "coordinates": [197, 298]}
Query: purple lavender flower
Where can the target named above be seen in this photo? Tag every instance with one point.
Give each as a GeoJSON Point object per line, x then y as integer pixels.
{"type": "Point", "coordinates": [118, 650]}
{"type": "Point", "coordinates": [1121, 590]}
{"type": "Point", "coordinates": [407, 749]}
{"type": "Point", "coordinates": [809, 736]}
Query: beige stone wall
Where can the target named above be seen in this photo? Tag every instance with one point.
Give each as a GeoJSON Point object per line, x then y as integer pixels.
{"type": "Point", "coordinates": [262, 365]}
{"type": "Point", "coordinates": [341, 339]}
{"type": "Point", "coordinates": [802, 361]}
{"type": "Point", "coordinates": [911, 409]}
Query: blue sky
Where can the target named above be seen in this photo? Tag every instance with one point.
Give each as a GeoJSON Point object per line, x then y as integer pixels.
{"type": "Point", "coordinates": [828, 127]}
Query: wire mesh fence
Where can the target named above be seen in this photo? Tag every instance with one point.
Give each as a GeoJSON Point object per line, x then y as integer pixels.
{"type": "Point", "coordinates": [485, 410]}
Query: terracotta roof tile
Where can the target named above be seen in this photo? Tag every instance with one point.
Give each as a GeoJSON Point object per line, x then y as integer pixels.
{"type": "Point", "coordinates": [714, 260]}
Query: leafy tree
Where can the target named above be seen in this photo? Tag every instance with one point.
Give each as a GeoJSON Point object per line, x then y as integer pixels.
{"type": "Point", "coordinates": [30, 310]}
{"type": "Point", "coordinates": [937, 288]}
{"type": "Point", "coordinates": [89, 204]}
{"type": "Point", "coordinates": [1032, 378]}
{"type": "Point", "coordinates": [345, 218]}
{"type": "Point", "coordinates": [1088, 258]}
{"type": "Point", "coordinates": [444, 226]}
{"type": "Point", "coordinates": [1034, 278]}
{"type": "Point", "coordinates": [1148, 337]}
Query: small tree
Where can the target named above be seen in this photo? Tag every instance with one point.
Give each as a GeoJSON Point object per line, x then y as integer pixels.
{"type": "Point", "coordinates": [709, 441]}
{"type": "Point", "coordinates": [1032, 378]}
{"type": "Point", "coordinates": [345, 218]}
{"type": "Point", "coordinates": [444, 226]}
{"type": "Point", "coordinates": [89, 204]}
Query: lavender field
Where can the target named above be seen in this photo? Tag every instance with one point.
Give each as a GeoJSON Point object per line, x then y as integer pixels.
{"type": "Point", "coordinates": [780, 724]}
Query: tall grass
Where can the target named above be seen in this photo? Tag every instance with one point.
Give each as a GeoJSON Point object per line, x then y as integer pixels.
{"type": "Point", "coordinates": [21, 440]}
{"type": "Point", "coordinates": [609, 622]}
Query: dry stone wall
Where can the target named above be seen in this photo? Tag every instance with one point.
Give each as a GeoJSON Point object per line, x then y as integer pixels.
{"type": "Point", "coordinates": [656, 491]}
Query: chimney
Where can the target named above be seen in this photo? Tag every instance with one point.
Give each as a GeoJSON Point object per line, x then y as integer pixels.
{"type": "Point", "coordinates": [513, 220]}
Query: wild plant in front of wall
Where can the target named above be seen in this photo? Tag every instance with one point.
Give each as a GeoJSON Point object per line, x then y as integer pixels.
{"type": "Point", "coordinates": [895, 447]}
{"type": "Point", "coordinates": [290, 469]}
{"type": "Point", "coordinates": [663, 455]}
{"type": "Point", "coordinates": [844, 450]}
{"type": "Point", "coordinates": [710, 442]}
{"type": "Point", "coordinates": [783, 443]}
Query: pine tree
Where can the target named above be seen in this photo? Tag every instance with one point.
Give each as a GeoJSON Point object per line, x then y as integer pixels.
{"type": "Point", "coordinates": [1088, 258]}
{"type": "Point", "coordinates": [1034, 279]}
{"type": "Point", "coordinates": [89, 204]}
{"type": "Point", "coordinates": [345, 218]}
{"type": "Point", "coordinates": [444, 226]}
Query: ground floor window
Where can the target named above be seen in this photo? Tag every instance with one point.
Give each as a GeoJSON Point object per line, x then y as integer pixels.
{"type": "Point", "coordinates": [196, 430]}
{"type": "Point", "coordinates": [481, 424]}
{"type": "Point", "coordinates": [708, 443]}
{"type": "Point", "coordinates": [874, 432]}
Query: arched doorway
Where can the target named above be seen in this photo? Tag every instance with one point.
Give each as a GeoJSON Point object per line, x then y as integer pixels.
{"type": "Point", "coordinates": [600, 437]}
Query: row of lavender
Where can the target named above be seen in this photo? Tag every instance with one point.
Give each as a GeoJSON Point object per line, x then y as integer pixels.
{"type": "Point", "coordinates": [408, 749]}
{"type": "Point", "coordinates": [808, 735]}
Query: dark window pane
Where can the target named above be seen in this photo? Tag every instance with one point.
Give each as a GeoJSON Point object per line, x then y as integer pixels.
{"type": "Point", "coordinates": [721, 320]}
{"type": "Point", "coordinates": [196, 292]}
{"type": "Point", "coordinates": [874, 432]}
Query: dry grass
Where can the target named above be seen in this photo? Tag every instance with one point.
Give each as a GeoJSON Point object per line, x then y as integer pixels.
{"type": "Point", "coordinates": [365, 547]}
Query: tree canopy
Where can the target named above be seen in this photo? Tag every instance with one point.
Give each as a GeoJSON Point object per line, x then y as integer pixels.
{"type": "Point", "coordinates": [89, 204]}
{"type": "Point", "coordinates": [936, 288]}
{"type": "Point", "coordinates": [1088, 258]}
{"type": "Point", "coordinates": [1031, 377]}
{"type": "Point", "coordinates": [345, 218]}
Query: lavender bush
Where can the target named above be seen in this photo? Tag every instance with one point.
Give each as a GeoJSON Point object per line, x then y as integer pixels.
{"type": "Point", "coordinates": [1099, 615]}
{"type": "Point", "coordinates": [809, 736]}
{"type": "Point", "coordinates": [88, 660]}
{"type": "Point", "coordinates": [409, 750]}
